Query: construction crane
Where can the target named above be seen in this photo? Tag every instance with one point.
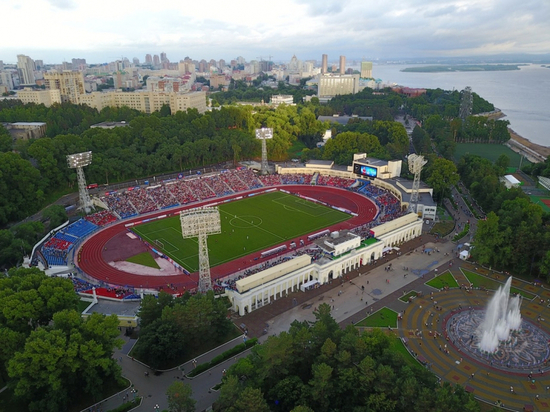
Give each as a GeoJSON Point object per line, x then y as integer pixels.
{"type": "Point", "coordinates": [261, 58]}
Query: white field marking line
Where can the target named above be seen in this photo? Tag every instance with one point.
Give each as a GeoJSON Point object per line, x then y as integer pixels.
{"type": "Point", "coordinates": [153, 231]}
{"type": "Point", "coordinates": [293, 209]}
{"type": "Point", "coordinates": [175, 248]}
{"type": "Point", "coordinates": [255, 227]}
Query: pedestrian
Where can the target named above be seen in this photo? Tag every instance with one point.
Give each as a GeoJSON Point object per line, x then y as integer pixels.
{"type": "Point", "coordinates": [511, 389]}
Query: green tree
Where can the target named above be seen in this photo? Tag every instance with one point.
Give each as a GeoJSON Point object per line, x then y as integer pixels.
{"type": "Point", "coordinates": [70, 356]}
{"type": "Point", "coordinates": [180, 397]}
{"type": "Point", "coordinates": [250, 400]}
{"type": "Point", "coordinates": [442, 175]}
{"type": "Point", "coordinates": [20, 185]}
{"type": "Point", "coordinates": [56, 215]}
{"type": "Point", "coordinates": [6, 141]}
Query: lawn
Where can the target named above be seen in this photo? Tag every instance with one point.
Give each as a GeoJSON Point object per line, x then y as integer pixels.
{"type": "Point", "coordinates": [445, 279]}
{"type": "Point", "coordinates": [488, 151]}
{"type": "Point", "coordinates": [248, 225]}
{"type": "Point", "coordinates": [82, 305]}
{"type": "Point", "coordinates": [382, 318]}
{"type": "Point", "coordinates": [480, 281]}
{"type": "Point", "coordinates": [405, 298]}
{"type": "Point", "coordinates": [399, 346]}
{"type": "Point", "coordinates": [144, 259]}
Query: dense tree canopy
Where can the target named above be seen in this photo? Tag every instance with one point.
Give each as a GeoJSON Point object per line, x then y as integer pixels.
{"type": "Point", "coordinates": [48, 352]}
{"type": "Point", "coordinates": [171, 326]}
{"type": "Point", "coordinates": [317, 366]}
{"type": "Point", "coordinates": [71, 356]}
{"type": "Point", "coordinates": [516, 234]}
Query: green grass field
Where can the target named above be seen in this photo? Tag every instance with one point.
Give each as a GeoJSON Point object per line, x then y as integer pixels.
{"type": "Point", "coordinates": [489, 151]}
{"type": "Point", "coordinates": [144, 259]}
{"type": "Point", "coordinates": [248, 225]}
{"type": "Point", "coordinates": [445, 279]}
{"type": "Point", "coordinates": [382, 318]}
{"type": "Point", "coordinates": [484, 282]}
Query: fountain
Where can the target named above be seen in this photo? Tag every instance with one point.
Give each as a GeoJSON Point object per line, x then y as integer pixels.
{"type": "Point", "coordinates": [498, 336]}
{"type": "Point", "coordinates": [501, 317]}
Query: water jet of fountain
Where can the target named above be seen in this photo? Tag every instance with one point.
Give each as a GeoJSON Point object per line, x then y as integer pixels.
{"type": "Point", "coordinates": [502, 316]}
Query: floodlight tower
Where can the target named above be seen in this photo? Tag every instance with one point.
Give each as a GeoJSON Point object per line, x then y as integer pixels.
{"type": "Point", "coordinates": [466, 103]}
{"type": "Point", "coordinates": [78, 161]}
{"type": "Point", "coordinates": [263, 134]}
{"type": "Point", "coordinates": [201, 222]}
{"type": "Point", "coordinates": [416, 162]}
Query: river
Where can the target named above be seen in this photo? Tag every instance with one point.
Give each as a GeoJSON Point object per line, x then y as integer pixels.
{"type": "Point", "coordinates": [523, 95]}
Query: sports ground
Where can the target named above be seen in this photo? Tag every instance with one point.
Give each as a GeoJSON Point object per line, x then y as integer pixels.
{"type": "Point", "coordinates": [248, 225]}
{"type": "Point", "coordinates": [287, 219]}
{"type": "Point", "coordinates": [489, 151]}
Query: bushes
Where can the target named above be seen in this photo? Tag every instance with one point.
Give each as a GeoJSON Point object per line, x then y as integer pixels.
{"type": "Point", "coordinates": [222, 357]}
{"type": "Point", "coordinates": [463, 233]}
{"type": "Point", "coordinates": [127, 406]}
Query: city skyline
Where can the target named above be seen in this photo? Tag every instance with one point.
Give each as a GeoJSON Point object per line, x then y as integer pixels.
{"type": "Point", "coordinates": [58, 30]}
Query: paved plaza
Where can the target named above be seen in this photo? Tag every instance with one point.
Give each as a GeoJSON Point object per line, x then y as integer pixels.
{"type": "Point", "coordinates": [424, 258]}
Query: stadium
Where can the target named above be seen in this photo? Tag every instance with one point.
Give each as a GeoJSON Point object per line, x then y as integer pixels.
{"type": "Point", "coordinates": [292, 230]}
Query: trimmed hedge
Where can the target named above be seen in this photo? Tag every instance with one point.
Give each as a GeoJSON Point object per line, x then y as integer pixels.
{"type": "Point", "coordinates": [222, 357]}
{"type": "Point", "coordinates": [463, 233]}
{"type": "Point", "coordinates": [127, 406]}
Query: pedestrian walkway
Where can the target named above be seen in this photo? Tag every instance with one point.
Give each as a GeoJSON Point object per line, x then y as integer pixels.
{"type": "Point", "coordinates": [347, 297]}
{"type": "Point", "coordinates": [152, 387]}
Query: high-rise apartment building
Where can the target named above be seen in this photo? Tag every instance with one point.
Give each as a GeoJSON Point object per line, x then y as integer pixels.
{"type": "Point", "coordinates": [7, 80]}
{"type": "Point", "coordinates": [78, 64]}
{"type": "Point", "coordinates": [1, 65]}
{"type": "Point", "coordinates": [25, 68]}
{"type": "Point", "coordinates": [69, 83]}
{"type": "Point", "coordinates": [186, 67]}
{"type": "Point", "coordinates": [156, 60]}
{"type": "Point", "coordinates": [135, 61]}
{"type": "Point", "coordinates": [342, 64]}
{"type": "Point", "coordinates": [39, 64]}
{"type": "Point", "coordinates": [203, 66]}
{"type": "Point", "coordinates": [221, 64]}
{"type": "Point", "coordinates": [324, 64]}
{"type": "Point", "coordinates": [148, 59]}
{"type": "Point", "coordinates": [366, 70]}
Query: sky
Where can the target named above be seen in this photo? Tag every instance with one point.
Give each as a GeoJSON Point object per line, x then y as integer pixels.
{"type": "Point", "coordinates": [106, 30]}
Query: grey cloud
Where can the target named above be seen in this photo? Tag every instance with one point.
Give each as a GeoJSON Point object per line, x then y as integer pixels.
{"type": "Point", "coordinates": [324, 7]}
{"type": "Point", "coordinates": [63, 4]}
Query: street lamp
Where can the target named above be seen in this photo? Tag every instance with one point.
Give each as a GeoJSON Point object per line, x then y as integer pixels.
{"type": "Point", "coordinates": [156, 407]}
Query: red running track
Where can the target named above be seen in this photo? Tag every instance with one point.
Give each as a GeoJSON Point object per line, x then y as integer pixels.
{"type": "Point", "coordinates": [89, 257]}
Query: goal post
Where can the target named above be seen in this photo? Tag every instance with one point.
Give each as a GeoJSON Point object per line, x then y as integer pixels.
{"type": "Point", "coordinates": [159, 243]}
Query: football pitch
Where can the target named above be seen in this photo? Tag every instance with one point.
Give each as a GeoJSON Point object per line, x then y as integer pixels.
{"type": "Point", "coordinates": [248, 225]}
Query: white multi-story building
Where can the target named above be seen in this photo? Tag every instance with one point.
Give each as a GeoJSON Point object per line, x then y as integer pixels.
{"type": "Point", "coordinates": [331, 85]}
{"type": "Point", "coordinates": [45, 97]}
{"type": "Point", "coordinates": [147, 101]}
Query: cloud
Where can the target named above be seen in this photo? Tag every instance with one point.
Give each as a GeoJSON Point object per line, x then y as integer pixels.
{"type": "Point", "coordinates": [63, 4]}
{"type": "Point", "coordinates": [309, 28]}
{"type": "Point", "coordinates": [323, 7]}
